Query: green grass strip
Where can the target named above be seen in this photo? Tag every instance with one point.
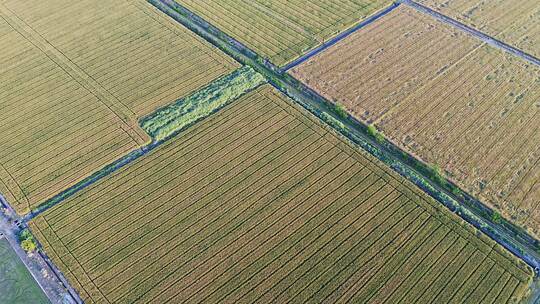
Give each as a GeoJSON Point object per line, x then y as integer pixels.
{"type": "Point", "coordinates": [166, 121]}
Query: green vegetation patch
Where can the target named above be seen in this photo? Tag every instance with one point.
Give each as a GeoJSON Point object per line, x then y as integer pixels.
{"type": "Point", "coordinates": [16, 282]}
{"type": "Point", "coordinates": [27, 241]}
{"type": "Point", "coordinates": [184, 112]}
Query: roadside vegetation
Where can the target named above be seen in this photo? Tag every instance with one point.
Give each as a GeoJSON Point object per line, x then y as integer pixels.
{"type": "Point", "coordinates": [242, 195]}
{"type": "Point", "coordinates": [26, 239]}
{"type": "Point", "coordinates": [282, 30]}
{"type": "Point", "coordinates": [469, 112]}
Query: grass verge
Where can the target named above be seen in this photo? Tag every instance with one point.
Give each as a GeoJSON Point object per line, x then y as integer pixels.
{"type": "Point", "coordinates": [166, 121]}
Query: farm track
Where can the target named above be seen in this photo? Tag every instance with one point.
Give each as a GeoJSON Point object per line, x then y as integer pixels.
{"type": "Point", "coordinates": [55, 286]}
{"type": "Point", "coordinates": [478, 131]}
{"type": "Point", "coordinates": [255, 218]}
{"type": "Point", "coordinates": [339, 37]}
{"type": "Point", "coordinates": [283, 30]}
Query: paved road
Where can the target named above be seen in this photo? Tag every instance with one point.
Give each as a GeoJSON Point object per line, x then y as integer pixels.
{"type": "Point", "coordinates": [482, 36]}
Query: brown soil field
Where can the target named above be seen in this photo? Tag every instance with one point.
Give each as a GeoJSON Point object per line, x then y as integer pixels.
{"type": "Point", "coordinates": [516, 22]}
{"type": "Point", "coordinates": [282, 30]}
{"type": "Point", "coordinates": [76, 77]}
{"type": "Point", "coordinates": [262, 203]}
{"type": "Point", "coordinates": [443, 96]}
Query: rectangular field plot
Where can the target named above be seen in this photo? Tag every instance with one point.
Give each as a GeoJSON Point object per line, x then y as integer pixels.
{"type": "Point", "coordinates": [514, 22]}
{"type": "Point", "coordinates": [469, 108]}
{"type": "Point", "coordinates": [16, 283]}
{"type": "Point", "coordinates": [76, 77]}
{"type": "Point", "coordinates": [282, 30]}
{"type": "Point", "coordinates": [53, 130]}
{"type": "Point", "coordinates": [135, 54]}
{"type": "Point", "coordinates": [260, 203]}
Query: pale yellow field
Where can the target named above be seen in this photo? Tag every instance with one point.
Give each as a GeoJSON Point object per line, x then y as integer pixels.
{"type": "Point", "coordinates": [76, 77]}
{"type": "Point", "coordinates": [516, 22]}
{"type": "Point", "coordinates": [443, 96]}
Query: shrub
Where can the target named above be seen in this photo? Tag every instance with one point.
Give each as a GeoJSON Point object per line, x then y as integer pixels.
{"type": "Point", "coordinates": [340, 110]}
{"type": "Point", "coordinates": [25, 235]}
{"type": "Point", "coordinates": [436, 174]}
{"type": "Point", "coordinates": [372, 130]}
{"type": "Point", "coordinates": [496, 217]}
{"type": "Point", "coordinates": [28, 243]}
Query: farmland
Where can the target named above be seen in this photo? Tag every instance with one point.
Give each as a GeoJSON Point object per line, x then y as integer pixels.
{"type": "Point", "coordinates": [282, 30]}
{"type": "Point", "coordinates": [470, 109]}
{"type": "Point", "coordinates": [514, 22]}
{"type": "Point", "coordinates": [76, 77]}
{"type": "Point", "coordinates": [16, 284]}
{"type": "Point", "coordinates": [139, 58]}
{"type": "Point", "coordinates": [261, 203]}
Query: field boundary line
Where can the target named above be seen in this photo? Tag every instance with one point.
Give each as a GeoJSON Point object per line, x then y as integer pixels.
{"type": "Point", "coordinates": [490, 40]}
{"type": "Point", "coordinates": [10, 227]}
{"type": "Point", "coordinates": [12, 185]}
{"type": "Point", "coordinates": [325, 45]}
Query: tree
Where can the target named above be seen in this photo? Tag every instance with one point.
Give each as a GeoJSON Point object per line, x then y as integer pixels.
{"type": "Point", "coordinates": [28, 245]}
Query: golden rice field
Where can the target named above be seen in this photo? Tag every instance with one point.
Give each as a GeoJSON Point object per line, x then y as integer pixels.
{"type": "Point", "coordinates": [76, 77]}
{"type": "Point", "coordinates": [282, 30]}
{"type": "Point", "coordinates": [141, 58]}
{"type": "Point", "coordinates": [443, 96]}
{"type": "Point", "coordinates": [261, 203]}
{"type": "Point", "coordinates": [516, 22]}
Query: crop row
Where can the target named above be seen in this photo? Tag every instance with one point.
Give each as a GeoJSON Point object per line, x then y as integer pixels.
{"type": "Point", "coordinates": [46, 116]}
{"type": "Point", "coordinates": [282, 30]}
{"type": "Point", "coordinates": [131, 58]}
{"type": "Point", "coordinates": [260, 203]}
{"type": "Point", "coordinates": [75, 85]}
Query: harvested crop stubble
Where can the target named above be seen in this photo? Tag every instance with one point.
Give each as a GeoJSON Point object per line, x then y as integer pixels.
{"type": "Point", "coordinates": [282, 30]}
{"type": "Point", "coordinates": [514, 22]}
{"type": "Point", "coordinates": [75, 78]}
{"type": "Point", "coordinates": [466, 107]}
{"type": "Point", "coordinates": [262, 203]}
